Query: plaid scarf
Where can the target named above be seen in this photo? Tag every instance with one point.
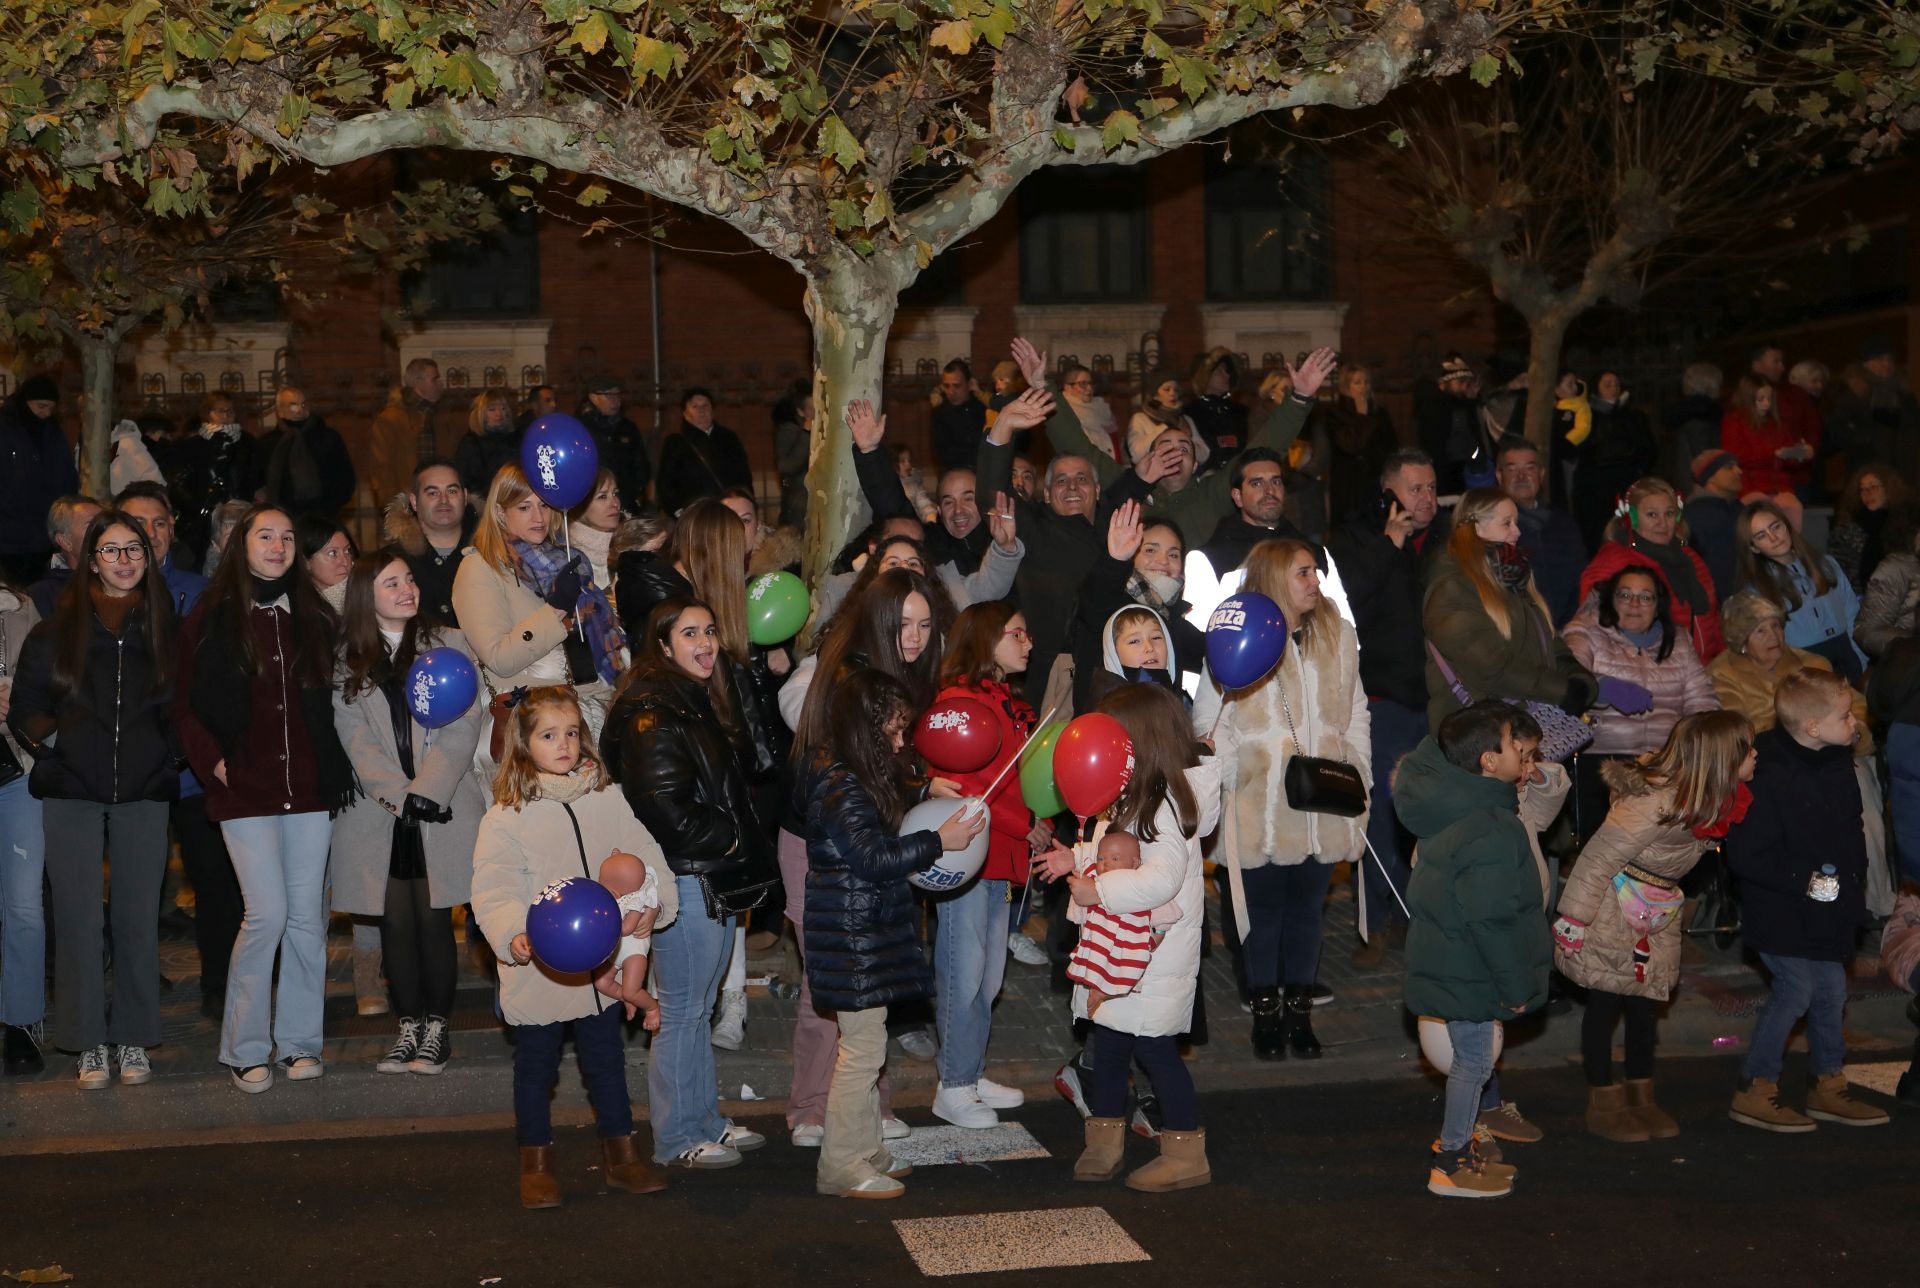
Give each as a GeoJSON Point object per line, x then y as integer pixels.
{"type": "Point", "coordinates": [543, 566]}
{"type": "Point", "coordinates": [1509, 565]}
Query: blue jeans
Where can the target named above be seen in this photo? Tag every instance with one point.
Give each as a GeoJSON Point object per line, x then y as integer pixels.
{"type": "Point", "coordinates": [683, 1088]}
{"type": "Point", "coordinates": [1817, 990]}
{"type": "Point", "coordinates": [23, 915]}
{"type": "Point", "coordinates": [603, 1067]}
{"type": "Point", "coordinates": [1397, 730]}
{"type": "Point", "coordinates": [969, 961]}
{"type": "Point", "coordinates": [1472, 1066]}
{"type": "Point", "coordinates": [281, 862]}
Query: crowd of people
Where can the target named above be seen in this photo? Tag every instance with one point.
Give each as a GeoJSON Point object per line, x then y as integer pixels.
{"type": "Point", "coordinates": [1625, 650]}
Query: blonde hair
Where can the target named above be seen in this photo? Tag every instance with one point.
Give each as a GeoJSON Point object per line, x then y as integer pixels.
{"type": "Point", "coordinates": [1470, 552]}
{"type": "Point", "coordinates": [516, 784]}
{"type": "Point", "coordinates": [484, 402]}
{"type": "Point", "coordinates": [710, 543]}
{"type": "Point", "coordinates": [1808, 694]}
{"type": "Point", "coordinates": [490, 539]}
{"type": "Point", "coordinates": [1267, 567]}
{"type": "Point", "coordinates": [1621, 527]}
{"type": "Point", "coordinates": [1700, 764]}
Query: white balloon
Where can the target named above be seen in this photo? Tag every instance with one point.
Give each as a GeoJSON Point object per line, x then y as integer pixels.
{"type": "Point", "coordinates": [954, 868]}
{"type": "Point", "coordinates": [1437, 1046]}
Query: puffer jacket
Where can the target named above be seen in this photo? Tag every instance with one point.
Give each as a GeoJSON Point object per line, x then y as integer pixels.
{"type": "Point", "coordinates": [861, 947]}
{"type": "Point", "coordinates": [1891, 606]}
{"type": "Point", "coordinates": [1702, 628]}
{"type": "Point", "coordinates": [1530, 663]}
{"type": "Point", "coordinates": [109, 741]}
{"type": "Point", "coordinates": [1745, 688]}
{"type": "Point", "coordinates": [1254, 742]}
{"type": "Point", "coordinates": [1679, 685]}
{"type": "Point", "coordinates": [681, 772]}
{"type": "Point", "coordinates": [1477, 946]}
{"type": "Point", "coordinates": [1806, 813]}
{"type": "Point", "coordinates": [1632, 834]}
{"type": "Point", "coordinates": [1900, 941]}
{"type": "Point", "coordinates": [1011, 822]}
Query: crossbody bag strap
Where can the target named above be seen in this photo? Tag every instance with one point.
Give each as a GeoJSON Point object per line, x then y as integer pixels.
{"type": "Point", "coordinates": [579, 841]}
{"type": "Point", "coordinates": [1459, 690]}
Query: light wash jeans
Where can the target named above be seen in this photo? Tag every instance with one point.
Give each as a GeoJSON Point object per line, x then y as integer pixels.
{"type": "Point", "coordinates": [1472, 1066]}
{"type": "Point", "coordinates": [281, 862]}
{"type": "Point", "coordinates": [969, 961]}
{"type": "Point", "coordinates": [23, 914]}
{"type": "Point", "coordinates": [683, 1088]}
{"type": "Point", "coordinates": [1817, 990]}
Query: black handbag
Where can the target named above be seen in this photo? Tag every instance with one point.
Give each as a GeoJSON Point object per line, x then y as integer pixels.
{"type": "Point", "coordinates": [1318, 784]}
{"type": "Point", "coordinates": [738, 890]}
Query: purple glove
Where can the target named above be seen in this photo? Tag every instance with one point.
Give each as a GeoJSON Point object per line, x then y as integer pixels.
{"type": "Point", "coordinates": [1624, 696]}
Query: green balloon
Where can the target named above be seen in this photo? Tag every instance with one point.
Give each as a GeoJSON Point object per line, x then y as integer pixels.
{"type": "Point", "coordinates": [1036, 773]}
{"type": "Point", "coordinates": [776, 607]}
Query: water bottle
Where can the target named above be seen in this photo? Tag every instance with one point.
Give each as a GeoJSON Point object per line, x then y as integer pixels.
{"type": "Point", "coordinates": [1825, 885]}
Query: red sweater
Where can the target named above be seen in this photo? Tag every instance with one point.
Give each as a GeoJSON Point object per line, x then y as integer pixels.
{"type": "Point", "coordinates": [273, 771]}
{"type": "Point", "coordinates": [1009, 820]}
{"type": "Point", "coordinates": [1755, 445]}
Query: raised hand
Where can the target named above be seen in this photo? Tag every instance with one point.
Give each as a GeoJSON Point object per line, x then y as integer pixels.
{"type": "Point", "coordinates": [868, 429]}
{"type": "Point", "coordinates": [1001, 523]}
{"type": "Point", "coordinates": [1029, 409]}
{"type": "Point", "coordinates": [1311, 374]}
{"type": "Point", "coordinates": [1125, 532]}
{"type": "Point", "coordinates": [1032, 363]}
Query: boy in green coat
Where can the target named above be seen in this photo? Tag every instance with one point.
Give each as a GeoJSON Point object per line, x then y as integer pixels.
{"type": "Point", "coordinates": [1478, 949]}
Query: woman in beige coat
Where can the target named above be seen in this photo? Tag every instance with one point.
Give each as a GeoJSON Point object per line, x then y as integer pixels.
{"type": "Point", "coordinates": [1282, 858]}
{"type": "Point", "coordinates": [1619, 929]}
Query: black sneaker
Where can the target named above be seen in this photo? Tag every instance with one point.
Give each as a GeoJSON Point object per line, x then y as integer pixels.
{"type": "Point", "coordinates": [400, 1055]}
{"type": "Point", "coordinates": [1322, 994]}
{"type": "Point", "coordinates": [434, 1047]}
{"type": "Point", "coordinates": [22, 1053]}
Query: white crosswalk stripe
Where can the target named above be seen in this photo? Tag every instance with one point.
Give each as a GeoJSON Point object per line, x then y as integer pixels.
{"type": "Point", "coordinates": [1030, 1240]}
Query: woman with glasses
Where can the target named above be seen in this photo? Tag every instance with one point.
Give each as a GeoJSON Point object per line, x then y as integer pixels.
{"type": "Point", "coordinates": [90, 706]}
{"type": "Point", "coordinates": [1771, 557]}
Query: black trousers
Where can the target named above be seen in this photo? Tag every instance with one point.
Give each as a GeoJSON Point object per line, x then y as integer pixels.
{"type": "Point", "coordinates": [1596, 1035]}
{"type": "Point", "coordinates": [217, 905]}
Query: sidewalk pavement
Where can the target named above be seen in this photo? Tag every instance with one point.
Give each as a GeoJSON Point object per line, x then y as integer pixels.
{"type": "Point", "coordinates": [1366, 1032]}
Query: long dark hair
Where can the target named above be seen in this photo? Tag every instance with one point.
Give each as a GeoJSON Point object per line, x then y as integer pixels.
{"type": "Point", "coordinates": [864, 704]}
{"type": "Point", "coordinates": [1767, 575]}
{"type": "Point", "coordinates": [867, 633]}
{"type": "Point", "coordinates": [1662, 606]}
{"type": "Point", "coordinates": [944, 611]}
{"type": "Point", "coordinates": [976, 635]}
{"type": "Point", "coordinates": [229, 600]}
{"type": "Point", "coordinates": [651, 660]}
{"type": "Point", "coordinates": [366, 664]}
{"type": "Point", "coordinates": [73, 613]}
{"type": "Point", "coordinates": [1162, 753]}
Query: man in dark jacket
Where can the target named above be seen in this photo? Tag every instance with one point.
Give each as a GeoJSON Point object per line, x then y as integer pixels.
{"type": "Point", "coordinates": [1875, 416]}
{"type": "Point", "coordinates": [36, 466]}
{"type": "Point", "coordinates": [1447, 414]}
{"type": "Point", "coordinates": [1693, 422]}
{"type": "Point", "coordinates": [960, 538]}
{"type": "Point", "coordinates": [704, 459]}
{"type": "Point", "coordinates": [1712, 511]}
{"type": "Point", "coordinates": [959, 419]}
{"type": "Point", "coordinates": [432, 525]}
{"type": "Point", "coordinates": [1549, 536]}
{"type": "Point", "coordinates": [618, 440]}
{"type": "Point", "coordinates": [309, 471]}
{"type": "Point", "coordinates": [1382, 557]}
{"type": "Point", "coordinates": [1258, 493]}
{"type": "Point", "coordinates": [67, 519]}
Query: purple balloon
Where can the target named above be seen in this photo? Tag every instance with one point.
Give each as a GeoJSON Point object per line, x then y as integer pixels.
{"type": "Point", "coordinates": [1246, 637]}
{"type": "Point", "coordinates": [560, 459]}
{"type": "Point", "coordinates": [574, 925]}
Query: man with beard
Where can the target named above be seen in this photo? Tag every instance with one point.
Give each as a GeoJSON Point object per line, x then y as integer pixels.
{"type": "Point", "coordinates": [1258, 494]}
{"type": "Point", "coordinates": [431, 526]}
{"type": "Point", "coordinates": [309, 471]}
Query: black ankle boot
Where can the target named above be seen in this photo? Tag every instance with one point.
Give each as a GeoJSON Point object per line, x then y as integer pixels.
{"type": "Point", "coordinates": [22, 1054]}
{"type": "Point", "coordinates": [1269, 1025]}
{"type": "Point", "coordinates": [1299, 1023]}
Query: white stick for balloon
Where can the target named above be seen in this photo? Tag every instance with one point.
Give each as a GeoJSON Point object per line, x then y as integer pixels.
{"type": "Point", "coordinates": [566, 540]}
{"type": "Point", "coordinates": [1040, 724]}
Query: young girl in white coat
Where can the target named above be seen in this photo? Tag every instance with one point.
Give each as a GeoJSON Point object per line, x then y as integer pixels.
{"type": "Point", "coordinates": [556, 814]}
{"type": "Point", "coordinates": [1170, 803]}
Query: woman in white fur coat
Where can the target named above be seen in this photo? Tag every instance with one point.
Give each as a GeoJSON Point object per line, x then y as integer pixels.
{"type": "Point", "coordinates": [1281, 859]}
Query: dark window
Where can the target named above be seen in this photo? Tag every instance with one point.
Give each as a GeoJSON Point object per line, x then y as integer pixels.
{"type": "Point", "coordinates": [495, 277]}
{"type": "Point", "coordinates": [941, 284]}
{"type": "Point", "coordinates": [245, 299]}
{"type": "Point", "coordinates": [1267, 230]}
{"type": "Point", "coordinates": [1083, 235]}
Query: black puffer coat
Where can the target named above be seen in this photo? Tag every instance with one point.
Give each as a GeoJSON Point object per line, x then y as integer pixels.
{"type": "Point", "coordinates": [861, 949]}
{"type": "Point", "coordinates": [681, 774]}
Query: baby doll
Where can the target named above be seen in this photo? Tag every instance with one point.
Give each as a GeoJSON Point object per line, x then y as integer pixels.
{"type": "Point", "coordinates": [625, 974]}
{"type": "Point", "coordinates": [1114, 947]}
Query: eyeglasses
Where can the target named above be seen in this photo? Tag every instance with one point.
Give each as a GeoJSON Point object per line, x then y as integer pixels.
{"type": "Point", "coordinates": [1016, 633]}
{"type": "Point", "coordinates": [120, 554]}
{"type": "Point", "coordinates": [1635, 597]}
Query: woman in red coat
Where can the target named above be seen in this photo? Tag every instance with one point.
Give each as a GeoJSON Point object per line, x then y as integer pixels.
{"type": "Point", "coordinates": [988, 643]}
{"type": "Point", "coordinates": [1774, 456]}
{"type": "Point", "coordinates": [1651, 534]}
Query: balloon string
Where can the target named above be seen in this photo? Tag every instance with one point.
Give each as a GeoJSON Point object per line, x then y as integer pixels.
{"type": "Point", "coordinates": [566, 539]}
{"type": "Point", "coordinates": [1038, 725]}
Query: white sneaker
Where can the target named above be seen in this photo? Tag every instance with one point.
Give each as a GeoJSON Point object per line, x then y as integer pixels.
{"type": "Point", "coordinates": [707, 1155]}
{"type": "Point", "coordinates": [894, 1129]}
{"type": "Point", "coordinates": [1025, 951]}
{"type": "Point", "coordinates": [93, 1074]}
{"type": "Point", "coordinates": [808, 1135]}
{"type": "Point", "coordinates": [744, 1139]}
{"type": "Point", "coordinates": [962, 1107]}
{"type": "Point", "coordinates": [995, 1095]}
{"type": "Point", "coordinates": [730, 1028]}
{"type": "Point", "coordinates": [135, 1068]}
{"type": "Point", "coordinates": [919, 1044]}
{"type": "Point", "coordinates": [874, 1187]}
{"type": "Point", "coordinates": [253, 1079]}
{"type": "Point", "coordinates": [300, 1068]}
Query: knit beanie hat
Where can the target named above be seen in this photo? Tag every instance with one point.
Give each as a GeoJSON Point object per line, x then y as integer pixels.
{"type": "Point", "coordinates": [38, 389]}
{"type": "Point", "coordinates": [1742, 614]}
{"type": "Point", "coordinates": [1711, 462]}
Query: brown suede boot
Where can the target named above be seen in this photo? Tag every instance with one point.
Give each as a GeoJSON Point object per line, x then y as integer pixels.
{"type": "Point", "coordinates": [1181, 1166]}
{"type": "Point", "coordinates": [1105, 1151]}
{"type": "Point", "coordinates": [626, 1170]}
{"type": "Point", "coordinates": [1659, 1124]}
{"type": "Point", "coordinates": [1609, 1118]}
{"type": "Point", "coordinates": [1759, 1106]}
{"type": "Point", "coordinates": [1829, 1099]}
{"type": "Point", "coordinates": [539, 1187]}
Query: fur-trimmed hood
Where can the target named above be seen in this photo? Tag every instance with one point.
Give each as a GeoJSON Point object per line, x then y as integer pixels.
{"type": "Point", "coordinates": [780, 548]}
{"type": "Point", "coordinates": [400, 525]}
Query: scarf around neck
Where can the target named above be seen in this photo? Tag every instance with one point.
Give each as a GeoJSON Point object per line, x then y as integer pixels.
{"type": "Point", "coordinates": [1096, 421]}
{"type": "Point", "coordinates": [1676, 565]}
{"type": "Point", "coordinates": [568, 787]}
{"type": "Point", "coordinates": [1509, 566]}
{"type": "Point", "coordinates": [1733, 812]}
{"type": "Point", "coordinates": [542, 566]}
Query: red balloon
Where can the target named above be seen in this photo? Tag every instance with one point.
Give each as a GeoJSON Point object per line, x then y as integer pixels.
{"type": "Point", "coordinates": [958, 735]}
{"type": "Point", "coordinates": [1092, 762]}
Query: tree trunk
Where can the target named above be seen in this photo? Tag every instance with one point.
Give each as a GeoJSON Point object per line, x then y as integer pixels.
{"type": "Point", "coordinates": [1546, 336]}
{"type": "Point", "coordinates": [97, 356]}
{"type": "Point", "coordinates": [851, 308]}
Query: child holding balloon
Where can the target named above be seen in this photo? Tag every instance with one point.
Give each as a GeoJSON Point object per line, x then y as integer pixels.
{"type": "Point", "coordinates": [556, 813]}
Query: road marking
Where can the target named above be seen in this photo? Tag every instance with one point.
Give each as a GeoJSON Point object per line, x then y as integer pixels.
{"type": "Point", "coordinates": [1881, 1077]}
{"type": "Point", "coordinates": [1001, 1241]}
{"type": "Point", "coordinates": [932, 1146]}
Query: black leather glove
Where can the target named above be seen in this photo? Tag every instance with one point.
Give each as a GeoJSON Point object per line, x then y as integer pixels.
{"type": "Point", "coordinates": [418, 809]}
{"type": "Point", "coordinates": [565, 594]}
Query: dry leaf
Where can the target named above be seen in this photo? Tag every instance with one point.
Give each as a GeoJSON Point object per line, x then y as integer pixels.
{"type": "Point", "coordinates": [44, 1275]}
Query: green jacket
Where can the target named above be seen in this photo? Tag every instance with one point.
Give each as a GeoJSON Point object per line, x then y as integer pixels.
{"type": "Point", "coordinates": [1201, 504]}
{"type": "Point", "coordinates": [1478, 946]}
{"type": "Point", "coordinates": [1531, 663]}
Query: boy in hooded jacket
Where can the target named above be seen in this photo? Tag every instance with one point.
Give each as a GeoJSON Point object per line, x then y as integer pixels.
{"type": "Point", "coordinates": [1478, 948]}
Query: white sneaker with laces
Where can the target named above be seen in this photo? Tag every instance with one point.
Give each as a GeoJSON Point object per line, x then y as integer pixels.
{"type": "Point", "coordinates": [995, 1095]}
{"type": "Point", "coordinates": [403, 1049]}
{"type": "Point", "coordinates": [93, 1074]}
{"type": "Point", "coordinates": [435, 1046]}
{"type": "Point", "coordinates": [744, 1139]}
{"type": "Point", "coordinates": [135, 1068]}
{"type": "Point", "coordinates": [962, 1107]}
{"type": "Point", "coordinates": [730, 1028]}
{"type": "Point", "coordinates": [894, 1129]}
{"type": "Point", "coordinates": [708, 1155]}
{"type": "Point", "coordinates": [808, 1135]}
{"type": "Point", "coordinates": [253, 1079]}
{"type": "Point", "coordinates": [1025, 951]}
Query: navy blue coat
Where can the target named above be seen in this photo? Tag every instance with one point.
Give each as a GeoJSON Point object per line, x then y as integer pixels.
{"type": "Point", "coordinates": [861, 947]}
{"type": "Point", "coordinates": [1805, 813]}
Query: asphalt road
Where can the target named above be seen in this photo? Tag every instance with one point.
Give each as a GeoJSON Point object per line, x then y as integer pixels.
{"type": "Point", "coordinates": [1320, 1185]}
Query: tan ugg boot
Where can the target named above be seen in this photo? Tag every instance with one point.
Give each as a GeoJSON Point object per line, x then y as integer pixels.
{"type": "Point", "coordinates": [1104, 1154]}
{"type": "Point", "coordinates": [1659, 1124]}
{"type": "Point", "coordinates": [1609, 1118]}
{"type": "Point", "coordinates": [1181, 1166]}
{"type": "Point", "coordinates": [1759, 1106]}
{"type": "Point", "coordinates": [539, 1187]}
